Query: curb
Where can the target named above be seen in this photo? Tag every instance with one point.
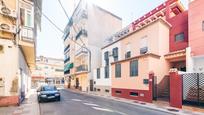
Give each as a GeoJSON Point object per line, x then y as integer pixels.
{"type": "Point", "coordinates": [141, 104]}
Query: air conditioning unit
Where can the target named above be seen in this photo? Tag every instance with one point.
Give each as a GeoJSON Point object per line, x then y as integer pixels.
{"type": "Point", "coordinates": [7, 11]}
{"type": "Point", "coordinates": [7, 28]}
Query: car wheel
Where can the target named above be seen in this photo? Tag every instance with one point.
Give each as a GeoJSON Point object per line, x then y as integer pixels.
{"type": "Point", "coordinates": [58, 99]}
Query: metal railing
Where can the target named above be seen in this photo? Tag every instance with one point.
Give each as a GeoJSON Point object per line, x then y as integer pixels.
{"type": "Point", "coordinates": [82, 68]}
{"type": "Point", "coordinates": [27, 33]}
{"type": "Point", "coordinates": [81, 51]}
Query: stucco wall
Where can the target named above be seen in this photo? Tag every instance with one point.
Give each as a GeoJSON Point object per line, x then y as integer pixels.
{"type": "Point", "coordinates": [9, 65]}
{"type": "Point", "coordinates": [157, 35]}
{"type": "Point", "coordinates": [179, 24]}
{"type": "Point", "coordinates": [128, 82]}
{"type": "Point", "coordinates": [196, 34]}
{"type": "Point", "coordinates": [12, 60]}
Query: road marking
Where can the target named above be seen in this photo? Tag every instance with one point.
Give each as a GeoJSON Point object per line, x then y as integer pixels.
{"type": "Point", "coordinates": [102, 109]}
{"type": "Point", "coordinates": [75, 99]}
{"type": "Point", "coordinates": [91, 104]}
{"type": "Point", "coordinates": [109, 110]}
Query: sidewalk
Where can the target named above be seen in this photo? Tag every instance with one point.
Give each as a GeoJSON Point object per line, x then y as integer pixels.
{"type": "Point", "coordinates": [152, 106]}
{"type": "Point", "coordinates": [28, 107]}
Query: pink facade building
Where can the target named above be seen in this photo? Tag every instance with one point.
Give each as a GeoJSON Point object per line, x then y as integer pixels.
{"type": "Point", "coordinates": [196, 35]}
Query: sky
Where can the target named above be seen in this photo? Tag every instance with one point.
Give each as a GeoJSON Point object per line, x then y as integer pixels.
{"type": "Point", "coordinates": [49, 39]}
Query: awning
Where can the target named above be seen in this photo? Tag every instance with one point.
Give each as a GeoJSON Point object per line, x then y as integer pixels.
{"type": "Point", "coordinates": [68, 67]}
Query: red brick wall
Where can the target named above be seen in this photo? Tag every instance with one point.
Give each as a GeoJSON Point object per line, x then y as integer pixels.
{"type": "Point", "coordinates": [179, 24]}
{"type": "Point", "coordinates": [143, 95]}
{"type": "Point", "coordinates": [175, 90]}
{"type": "Point", "coordinates": [9, 100]}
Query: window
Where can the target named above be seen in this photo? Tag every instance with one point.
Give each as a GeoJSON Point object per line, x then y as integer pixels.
{"type": "Point", "coordinates": [106, 71]}
{"type": "Point", "coordinates": [98, 73]}
{"type": "Point", "coordinates": [203, 25]}
{"type": "Point", "coordinates": [134, 68]}
{"type": "Point", "coordinates": [115, 54]}
{"type": "Point", "coordinates": [118, 92]}
{"type": "Point", "coordinates": [22, 16]}
{"type": "Point", "coordinates": [28, 21]}
{"type": "Point", "coordinates": [133, 94]}
{"type": "Point", "coordinates": [106, 57]}
{"type": "Point", "coordinates": [26, 17]}
{"type": "Point", "coordinates": [145, 81]}
{"type": "Point", "coordinates": [143, 45]}
{"type": "Point", "coordinates": [117, 70]}
{"type": "Point", "coordinates": [179, 37]}
{"type": "Point", "coordinates": [107, 91]}
{"type": "Point", "coordinates": [98, 89]}
{"type": "Point", "coordinates": [128, 55]}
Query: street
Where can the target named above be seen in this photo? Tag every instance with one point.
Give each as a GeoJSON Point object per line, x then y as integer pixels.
{"type": "Point", "coordinates": [81, 104]}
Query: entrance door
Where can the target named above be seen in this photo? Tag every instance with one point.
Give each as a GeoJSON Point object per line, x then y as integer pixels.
{"type": "Point", "coordinates": [154, 88]}
{"type": "Point", "coordinates": [77, 83]}
{"type": "Point", "coordinates": [91, 85]}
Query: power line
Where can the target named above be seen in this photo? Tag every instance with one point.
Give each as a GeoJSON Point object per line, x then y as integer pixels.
{"type": "Point", "coordinates": [53, 23]}
{"type": "Point", "coordinates": [69, 19]}
{"type": "Point", "coordinates": [58, 28]}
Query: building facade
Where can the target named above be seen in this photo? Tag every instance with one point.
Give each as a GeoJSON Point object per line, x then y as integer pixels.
{"type": "Point", "coordinates": [196, 35]}
{"type": "Point", "coordinates": [159, 38]}
{"type": "Point", "coordinates": [82, 33]}
{"type": "Point", "coordinates": [48, 70]}
{"type": "Point", "coordinates": [18, 31]}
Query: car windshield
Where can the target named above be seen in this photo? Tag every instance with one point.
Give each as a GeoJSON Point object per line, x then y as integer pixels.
{"type": "Point", "coordinates": [49, 88]}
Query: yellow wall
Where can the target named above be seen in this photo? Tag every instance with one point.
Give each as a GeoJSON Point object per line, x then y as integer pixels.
{"type": "Point", "coordinates": [11, 4]}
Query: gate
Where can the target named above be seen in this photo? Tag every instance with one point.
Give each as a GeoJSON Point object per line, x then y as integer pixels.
{"type": "Point", "coordinates": [193, 88]}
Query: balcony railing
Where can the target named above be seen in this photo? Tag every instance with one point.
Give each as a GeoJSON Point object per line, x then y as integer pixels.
{"type": "Point", "coordinates": [82, 68]}
{"type": "Point", "coordinates": [66, 60]}
{"type": "Point", "coordinates": [81, 32]}
{"type": "Point", "coordinates": [81, 51]}
{"type": "Point", "coordinates": [27, 33]}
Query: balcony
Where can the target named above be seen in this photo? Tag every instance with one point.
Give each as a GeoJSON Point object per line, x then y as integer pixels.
{"type": "Point", "coordinates": [82, 68]}
{"type": "Point", "coordinates": [27, 43]}
{"type": "Point", "coordinates": [66, 60]}
{"type": "Point", "coordinates": [81, 32]}
{"type": "Point", "coordinates": [81, 52]}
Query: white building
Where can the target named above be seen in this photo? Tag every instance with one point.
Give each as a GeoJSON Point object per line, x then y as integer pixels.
{"type": "Point", "coordinates": [89, 26]}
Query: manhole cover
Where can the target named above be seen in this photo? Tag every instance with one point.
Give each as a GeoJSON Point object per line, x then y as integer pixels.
{"type": "Point", "coordinates": [174, 110]}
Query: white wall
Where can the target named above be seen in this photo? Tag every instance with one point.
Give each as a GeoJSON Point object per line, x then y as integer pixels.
{"type": "Point", "coordinates": [25, 72]}
{"type": "Point", "coordinates": [10, 68]}
{"type": "Point", "coordinates": [8, 64]}
{"type": "Point", "coordinates": [198, 64]}
{"type": "Point", "coordinates": [106, 81]}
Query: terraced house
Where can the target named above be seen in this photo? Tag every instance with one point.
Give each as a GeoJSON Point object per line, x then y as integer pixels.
{"type": "Point", "coordinates": [19, 22]}
{"type": "Point", "coordinates": [153, 43]}
{"type": "Point", "coordinates": [84, 36]}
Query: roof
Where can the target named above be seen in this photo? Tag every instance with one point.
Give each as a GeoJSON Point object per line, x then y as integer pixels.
{"type": "Point", "coordinates": [159, 19]}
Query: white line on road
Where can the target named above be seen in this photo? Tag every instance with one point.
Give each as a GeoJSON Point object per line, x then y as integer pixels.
{"type": "Point", "coordinates": [91, 104]}
{"type": "Point", "coordinates": [109, 110]}
{"type": "Point", "coordinates": [75, 99]}
{"type": "Point", "coordinates": [102, 109]}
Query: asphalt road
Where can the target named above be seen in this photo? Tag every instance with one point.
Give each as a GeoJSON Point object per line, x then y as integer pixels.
{"type": "Point", "coordinates": [81, 104]}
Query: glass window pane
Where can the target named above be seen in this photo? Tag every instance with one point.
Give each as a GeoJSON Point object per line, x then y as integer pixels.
{"type": "Point", "coordinates": [179, 37]}
{"type": "Point", "coordinates": [118, 70]}
{"type": "Point", "coordinates": [134, 68]}
{"type": "Point", "coordinates": [28, 21]}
